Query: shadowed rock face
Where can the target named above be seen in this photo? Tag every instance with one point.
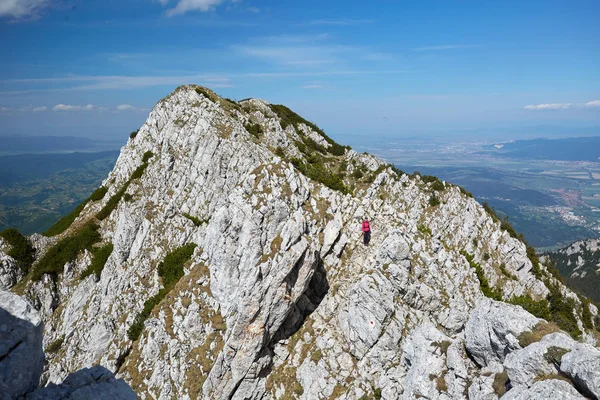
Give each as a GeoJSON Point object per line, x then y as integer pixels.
{"type": "Point", "coordinates": [280, 298]}
{"type": "Point", "coordinates": [21, 353]}
{"type": "Point", "coordinates": [22, 361]}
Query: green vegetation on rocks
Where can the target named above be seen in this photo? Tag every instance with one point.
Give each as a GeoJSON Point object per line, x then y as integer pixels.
{"type": "Point", "coordinates": [170, 270]}
{"type": "Point", "coordinates": [112, 203]}
{"type": "Point", "coordinates": [66, 250]}
{"type": "Point", "coordinates": [484, 285]}
{"type": "Point", "coordinates": [254, 129]}
{"type": "Point", "coordinates": [197, 221]}
{"type": "Point", "coordinates": [21, 249]}
{"type": "Point", "coordinates": [288, 117]}
{"type": "Point", "coordinates": [99, 257]}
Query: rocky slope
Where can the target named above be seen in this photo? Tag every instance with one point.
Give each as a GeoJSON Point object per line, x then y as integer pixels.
{"type": "Point", "coordinates": [223, 259]}
{"type": "Point", "coordinates": [22, 361]}
{"type": "Point", "coordinates": [579, 263]}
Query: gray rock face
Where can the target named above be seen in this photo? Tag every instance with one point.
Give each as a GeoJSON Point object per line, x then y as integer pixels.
{"type": "Point", "coordinates": [89, 383]}
{"type": "Point", "coordinates": [21, 354]}
{"type": "Point", "coordinates": [281, 299]}
{"type": "Point", "coordinates": [493, 330]}
{"type": "Point", "coordinates": [582, 365]}
{"type": "Point", "coordinates": [537, 359]}
{"type": "Point", "coordinates": [544, 390]}
{"type": "Point", "coordinates": [10, 273]}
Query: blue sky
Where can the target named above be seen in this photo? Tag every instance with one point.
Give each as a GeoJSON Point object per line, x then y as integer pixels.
{"type": "Point", "coordinates": [389, 68]}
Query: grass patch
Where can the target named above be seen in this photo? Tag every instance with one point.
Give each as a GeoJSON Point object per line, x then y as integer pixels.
{"type": "Point", "coordinates": [484, 285]}
{"type": "Point", "coordinates": [65, 222]}
{"type": "Point", "coordinates": [66, 250]}
{"type": "Point", "coordinates": [539, 331]}
{"type": "Point", "coordinates": [170, 270]}
{"type": "Point", "coordinates": [21, 249]}
{"type": "Point", "coordinates": [500, 383]}
{"type": "Point", "coordinates": [99, 257]}
{"type": "Point", "coordinates": [424, 230]}
{"type": "Point", "coordinates": [55, 346]}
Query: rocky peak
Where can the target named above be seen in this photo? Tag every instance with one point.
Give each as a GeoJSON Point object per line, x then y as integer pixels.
{"type": "Point", "coordinates": [222, 258]}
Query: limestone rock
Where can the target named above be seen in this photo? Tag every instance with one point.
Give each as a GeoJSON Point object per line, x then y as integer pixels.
{"type": "Point", "coordinates": [21, 354]}
{"type": "Point", "coordinates": [493, 330]}
{"type": "Point", "coordinates": [582, 365]}
{"type": "Point", "coordinates": [538, 359]}
{"type": "Point", "coordinates": [86, 384]}
{"type": "Point", "coordinates": [544, 390]}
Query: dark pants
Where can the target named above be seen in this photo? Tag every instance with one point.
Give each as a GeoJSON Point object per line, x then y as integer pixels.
{"type": "Point", "coordinates": [367, 237]}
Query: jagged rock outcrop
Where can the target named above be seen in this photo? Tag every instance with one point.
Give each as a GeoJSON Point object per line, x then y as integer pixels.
{"type": "Point", "coordinates": [279, 298]}
{"type": "Point", "coordinates": [21, 354]}
{"type": "Point", "coordinates": [22, 361]}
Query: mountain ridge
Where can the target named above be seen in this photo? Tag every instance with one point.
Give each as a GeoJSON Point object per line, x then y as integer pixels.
{"type": "Point", "coordinates": [279, 298]}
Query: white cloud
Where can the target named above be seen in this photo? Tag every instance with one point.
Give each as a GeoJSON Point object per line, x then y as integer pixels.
{"type": "Point", "coordinates": [184, 6]}
{"type": "Point", "coordinates": [21, 9]}
{"type": "Point", "coordinates": [563, 106]}
{"type": "Point", "coordinates": [553, 106]}
{"type": "Point", "coordinates": [67, 107]}
{"type": "Point", "coordinates": [595, 103]}
{"type": "Point", "coordinates": [42, 108]}
{"type": "Point", "coordinates": [124, 107]}
{"type": "Point", "coordinates": [254, 10]}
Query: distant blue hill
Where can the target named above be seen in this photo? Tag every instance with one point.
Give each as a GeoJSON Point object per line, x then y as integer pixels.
{"type": "Point", "coordinates": [571, 149]}
{"type": "Point", "coordinates": [36, 144]}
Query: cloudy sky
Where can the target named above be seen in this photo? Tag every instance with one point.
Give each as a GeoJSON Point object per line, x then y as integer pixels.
{"type": "Point", "coordinates": [95, 68]}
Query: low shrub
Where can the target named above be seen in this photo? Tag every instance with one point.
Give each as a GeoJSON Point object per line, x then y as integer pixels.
{"type": "Point", "coordinates": [254, 129]}
{"type": "Point", "coordinates": [319, 173]}
{"type": "Point", "coordinates": [484, 285]}
{"type": "Point", "coordinates": [21, 249]}
{"type": "Point", "coordinates": [288, 117]}
{"type": "Point", "coordinates": [99, 257]}
{"type": "Point", "coordinates": [133, 134]}
{"type": "Point", "coordinates": [539, 308]}
{"type": "Point", "coordinates": [197, 221]}
{"type": "Point", "coordinates": [66, 250]}
{"type": "Point", "coordinates": [112, 203]}
{"type": "Point", "coordinates": [434, 201]}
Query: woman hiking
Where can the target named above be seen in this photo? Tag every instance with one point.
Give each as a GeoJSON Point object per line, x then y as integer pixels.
{"type": "Point", "coordinates": [366, 229]}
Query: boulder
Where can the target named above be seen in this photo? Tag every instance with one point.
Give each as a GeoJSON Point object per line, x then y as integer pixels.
{"type": "Point", "coordinates": [582, 365]}
{"type": "Point", "coordinates": [493, 329]}
{"type": "Point", "coordinates": [21, 352]}
{"type": "Point", "coordinates": [544, 390]}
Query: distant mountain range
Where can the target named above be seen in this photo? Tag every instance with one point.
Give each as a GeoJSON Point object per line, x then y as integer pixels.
{"type": "Point", "coordinates": [579, 263]}
{"type": "Point", "coordinates": [570, 149]}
